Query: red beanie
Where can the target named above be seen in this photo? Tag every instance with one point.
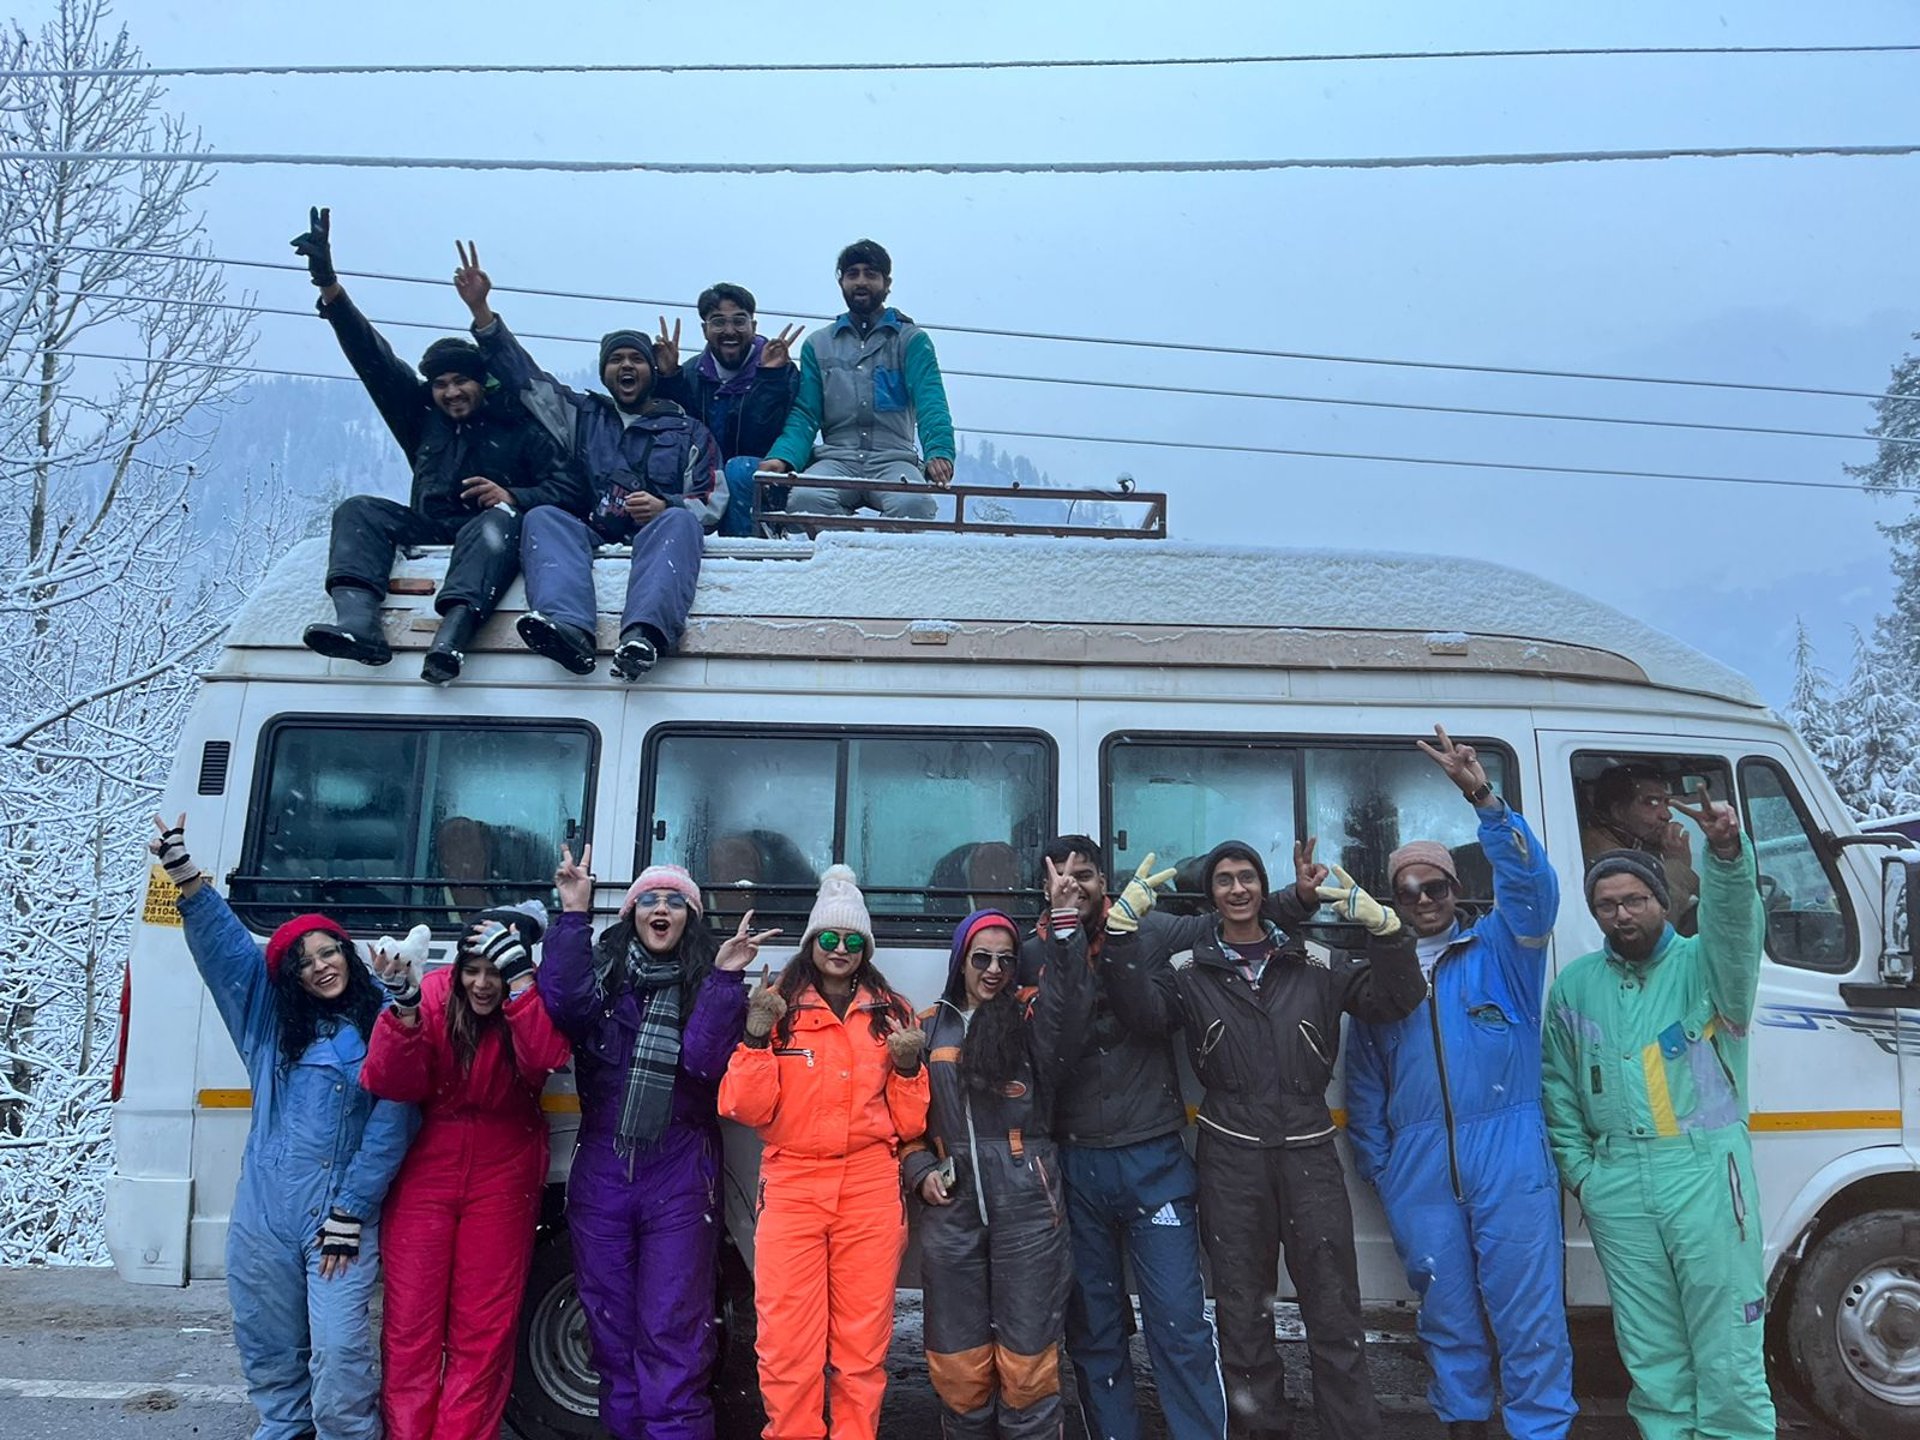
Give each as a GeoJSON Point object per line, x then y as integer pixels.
{"type": "Point", "coordinates": [282, 939]}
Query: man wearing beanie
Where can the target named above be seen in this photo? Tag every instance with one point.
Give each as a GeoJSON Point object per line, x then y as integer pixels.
{"type": "Point", "coordinates": [478, 467]}
{"type": "Point", "coordinates": [1646, 1096]}
{"type": "Point", "coordinates": [1443, 1108]}
{"type": "Point", "coordinates": [870, 390]}
{"type": "Point", "coordinates": [1261, 1017]}
{"type": "Point", "coordinates": [657, 487]}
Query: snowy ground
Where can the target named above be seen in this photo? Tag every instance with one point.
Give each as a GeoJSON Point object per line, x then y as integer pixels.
{"type": "Point", "coordinates": [82, 1354]}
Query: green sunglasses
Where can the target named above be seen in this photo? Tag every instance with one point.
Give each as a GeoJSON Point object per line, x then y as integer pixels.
{"type": "Point", "coordinates": [831, 940]}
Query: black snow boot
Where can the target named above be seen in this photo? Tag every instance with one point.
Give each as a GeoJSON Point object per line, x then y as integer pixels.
{"type": "Point", "coordinates": [1467, 1430]}
{"type": "Point", "coordinates": [636, 655]}
{"type": "Point", "coordinates": [449, 647]}
{"type": "Point", "coordinates": [356, 632]}
{"type": "Point", "coordinates": [566, 645]}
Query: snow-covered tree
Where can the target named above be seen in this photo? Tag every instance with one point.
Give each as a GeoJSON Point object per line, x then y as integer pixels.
{"type": "Point", "coordinates": [105, 605]}
{"type": "Point", "coordinates": [1875, 721]}
{"type": "Point", "coordinates": [1810, 705]}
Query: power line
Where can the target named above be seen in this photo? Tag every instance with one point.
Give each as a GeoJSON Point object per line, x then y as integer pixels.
{"type": "Point", "coordinates": [905, 66]}
{"type": "Point", "coordinates": [1129, 342]}
{"type": "Point", "coordinates": [960, 167]}
{"type": "Point", "coordinates": [1209, 445]}
{"type": "Point", "coordinates": [1200, 391]}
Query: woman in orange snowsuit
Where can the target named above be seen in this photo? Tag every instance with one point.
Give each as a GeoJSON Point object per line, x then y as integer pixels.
{"type": "Point", "coordinates": [830, 1075]}
{"type": "Point", "coordinates": [472, 1046]}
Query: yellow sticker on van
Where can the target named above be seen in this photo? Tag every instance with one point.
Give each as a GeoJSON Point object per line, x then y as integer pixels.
{"type": "Point", "coordinates": [163, 899]}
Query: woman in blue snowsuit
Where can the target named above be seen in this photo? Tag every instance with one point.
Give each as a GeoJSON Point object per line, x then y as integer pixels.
{"type": "Point", "coordinates": [303, 1247]}
{"type": "Point", "coordinates": [1444, 1112]}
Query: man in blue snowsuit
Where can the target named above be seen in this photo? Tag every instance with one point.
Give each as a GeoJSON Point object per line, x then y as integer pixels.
{"type": "Point", "coordinates": [1444, 1112]}
{"type": "Point", "coordinates": [303, 1241]}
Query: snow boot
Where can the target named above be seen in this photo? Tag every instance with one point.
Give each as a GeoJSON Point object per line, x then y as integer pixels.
{"type": "Point", "coordinates": [449, 647]}
{"type": "Point", "coordinates": [566, 645]}
{"type": "Point", "coordinates": [356, 632]}
{"type": "Point", "coordinates": [636, 655]}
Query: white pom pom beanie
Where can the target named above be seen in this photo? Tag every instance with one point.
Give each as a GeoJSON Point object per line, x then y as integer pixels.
{"type": "Point", "coordinates": [840, 906]}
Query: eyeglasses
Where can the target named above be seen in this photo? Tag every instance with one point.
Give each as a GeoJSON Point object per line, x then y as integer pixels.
{"type": "Point", "coordinates": [330, 951]}
{"type": "Point", "coordinates": [647, 899]}
{"type": "Point", "coordinates": [1437, 888]}
{"type": "Point", "coordinates": [853, 942]}
{"type": "Point", "coordinates": [1631, 905]}
{"type": "Point", "coordinates": [728, 322]}
{"type": "Point", "coordinates": [984, 960]}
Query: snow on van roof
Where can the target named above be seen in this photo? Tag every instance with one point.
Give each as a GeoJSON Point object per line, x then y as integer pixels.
{"type": "Point", "coordinates": [1046, 579]}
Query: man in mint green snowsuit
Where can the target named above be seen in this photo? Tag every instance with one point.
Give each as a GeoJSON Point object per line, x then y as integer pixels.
{"type": "Point", "coordinates": [1645, 1089]}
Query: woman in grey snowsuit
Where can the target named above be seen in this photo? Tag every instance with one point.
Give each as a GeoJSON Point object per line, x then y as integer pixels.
{"type": "Point", "coordinates": [995, 1261]}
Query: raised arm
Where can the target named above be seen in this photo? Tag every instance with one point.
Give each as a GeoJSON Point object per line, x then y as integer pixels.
{"type": "Point", "coordinates": [1732, 920]}
{"type": "Point", "coordinates": [1061, 1011]}
{"type": "Point", "coordinates": [566, 981]}
{"type": "Point", "coordinates": [539, 1048]}
{"type": "Point", "coordinates": [1387, 984]}
{"type": "Point", "coordinates": [233, 967]}
{"type": "Point", "coordinates": [909, 1088]}
{"type": "Point", "coordinates": [750, 1089]}
{"type": "Point", "coordinates": [545, 398]}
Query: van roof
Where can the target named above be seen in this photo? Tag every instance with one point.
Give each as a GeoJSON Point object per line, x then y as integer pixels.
{"type": "Point", "coordinates": [1018, 598]}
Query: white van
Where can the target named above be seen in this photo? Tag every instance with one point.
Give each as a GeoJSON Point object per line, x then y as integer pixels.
{"type": "Point", "coordinates": [930, 709]}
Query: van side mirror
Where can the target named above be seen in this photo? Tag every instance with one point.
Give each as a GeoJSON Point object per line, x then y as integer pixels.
{"type": "Point", "coordinates": [1900, 916]}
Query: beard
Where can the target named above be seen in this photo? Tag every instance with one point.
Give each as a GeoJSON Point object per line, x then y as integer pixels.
{"type": "Point", "coordinates": [996, 1046]}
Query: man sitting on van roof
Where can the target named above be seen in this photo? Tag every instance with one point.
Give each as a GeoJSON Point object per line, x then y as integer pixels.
{"type": "Point", "coordinates": [1631, 810]}
{"type": "Point", "coordinates": [655, 473]}
{"type": "Point", "coordinates": [870, 388]}
{"type": "Point", "coordinates": [478, 467]}
{"type": "Point", "coordinates": [740, 387]}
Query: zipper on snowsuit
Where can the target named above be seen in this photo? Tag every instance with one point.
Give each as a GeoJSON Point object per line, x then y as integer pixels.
{"type": "Point", "coordinates": [973, 1150]}
{"type": "Point", "coordinates": [1446, 1094]}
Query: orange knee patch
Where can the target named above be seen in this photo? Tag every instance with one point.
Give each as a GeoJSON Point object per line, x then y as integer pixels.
{"type": "Point", "coordinates": [964, 1379]}
{"type": "Point", "coordinates": [1027, 1379]}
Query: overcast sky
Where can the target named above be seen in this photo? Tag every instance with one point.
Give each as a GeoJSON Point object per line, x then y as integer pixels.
{"type": "Point", "coordinates": [1775, 271]}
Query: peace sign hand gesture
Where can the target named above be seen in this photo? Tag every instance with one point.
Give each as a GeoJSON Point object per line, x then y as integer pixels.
{"type": "Point", "coordinates": [666, 350]}
{"type": "Point", "coordinates": [1308, 874]}
{"type": "Point", "coordinates": [776, 352]}
{"type": "Point", "coordinates": [169, 847]}
{"type": "Point", "coordinates": [1461, 762]}
{"type": "Point", "coordinates": [905, 1043]}
{"type": "Point", "coordinates": [742, 948]}
{"type": "Point", "coordinates": [1718, 822]}
{"type": "Point", "coordinates": [765, 1006]}
{"type": "Point", "coordinates": [472, 283]}
{"type": "Point", "coordinates": [1063, 891]}
{"type": "Point", "coordinates": [575, 881]}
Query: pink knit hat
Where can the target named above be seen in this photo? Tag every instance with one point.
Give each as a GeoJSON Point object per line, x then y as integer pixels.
{"type": "Point", "coordinates": [1421, 852]}
{"type": "Point", "coordinates": [661, 877]}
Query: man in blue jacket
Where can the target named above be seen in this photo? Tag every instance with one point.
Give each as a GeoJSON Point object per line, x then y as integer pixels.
{"type": "Point", "coordinates": [1443, 1108]}
{"type": "Point", "coordinates": [655, 475]}
{"type": "Point", "coordinates": [870, 389]}
{"type": "Point", "coordinates": [740, 387]}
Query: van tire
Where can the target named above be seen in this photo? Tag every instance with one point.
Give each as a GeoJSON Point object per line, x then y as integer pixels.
{"type": "Point", "coordinates": [555, 1391]}
{"type": "Point", "coordinates": [1853, 1325]}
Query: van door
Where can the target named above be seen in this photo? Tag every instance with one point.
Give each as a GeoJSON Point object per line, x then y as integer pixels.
{"type": "Point", "coordinates": [1824, 1078]}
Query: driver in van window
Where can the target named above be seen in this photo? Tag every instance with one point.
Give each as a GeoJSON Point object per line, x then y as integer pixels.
{"type": "Point", "coordinates": [479, 465]}
{"type": "Point", "coordinates": [1443, 1110]}
{"type": "Point", "coordinates": [1631, 809]}
{"type": "Point", "coordinates": [657, 487]}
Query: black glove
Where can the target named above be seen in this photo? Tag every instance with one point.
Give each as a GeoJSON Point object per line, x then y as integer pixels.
{"type": "Point", "coordinates": [171, 851]}
{"type": "Point", "coordinates": [507, 953]}
{"type": "Point", "coordinates": [317, 248]}
{"type": "Point", "coordinates": [340, 1235]}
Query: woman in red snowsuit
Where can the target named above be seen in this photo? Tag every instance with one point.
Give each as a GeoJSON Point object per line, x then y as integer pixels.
{"type": "Point", "coordinates": [472, 1046]}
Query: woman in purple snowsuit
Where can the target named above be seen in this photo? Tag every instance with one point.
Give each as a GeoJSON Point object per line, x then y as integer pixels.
{"type": "Point", "coordinates": [653, 1012]}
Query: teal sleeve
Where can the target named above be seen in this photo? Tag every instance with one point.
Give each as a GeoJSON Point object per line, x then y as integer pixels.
{"type": "Point", "coordinates": [1732, 934]}
{"type": "Point", "coordinates": [795, 445]}
{"type": "Point", "coordinates": [1560, 1094]}
{"type": "Point", "coordinates": [928, 392]}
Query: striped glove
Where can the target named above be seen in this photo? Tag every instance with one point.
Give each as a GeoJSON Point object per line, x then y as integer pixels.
{"type": "Point", "coordinates": [501, 947]}
{"type": "Point", "coordinates": [1137, 899]}
{"type": "Point", "coordinates": [170, 849]}
{"type": "Point", "coordinates": [340, 1235]}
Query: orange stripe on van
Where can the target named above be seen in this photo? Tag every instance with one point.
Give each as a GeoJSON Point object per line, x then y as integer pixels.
{"type": "Point", "coordinates": [1791, 1120]}
{"type": "Point", "coordinates": [243, 1099]}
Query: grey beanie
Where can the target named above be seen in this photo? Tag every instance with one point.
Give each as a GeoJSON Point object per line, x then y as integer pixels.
{"type": "Point", "coordinates": [1645, 868]}
{"type": "Point", "coordinates": [621, 339]}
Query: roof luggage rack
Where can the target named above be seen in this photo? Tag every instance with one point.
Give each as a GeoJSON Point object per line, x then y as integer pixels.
{"type": "Point", "coordinates": [1151, 525]}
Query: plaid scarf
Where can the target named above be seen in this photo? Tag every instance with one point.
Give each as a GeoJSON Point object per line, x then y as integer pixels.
{"type": "Point", "coordinates": [648, 1103]}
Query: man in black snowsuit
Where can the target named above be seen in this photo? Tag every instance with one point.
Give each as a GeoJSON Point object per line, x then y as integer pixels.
{"type": "Point", "coordinates": [478, 466]}
{"type": "Point", "coordinates": [1262, 1023]}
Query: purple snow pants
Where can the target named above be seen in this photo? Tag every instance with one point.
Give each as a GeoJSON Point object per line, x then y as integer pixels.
{"type": "Point", "coordinates": [556, 556]}
{"type": "Point", "coordinates": [645, 1256]}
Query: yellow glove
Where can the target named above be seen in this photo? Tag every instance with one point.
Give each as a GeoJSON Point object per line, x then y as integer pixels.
{"type": "Point", "coordinates": [1350, 902]}
{"type": "Point", "coordinates": [1137, 899]}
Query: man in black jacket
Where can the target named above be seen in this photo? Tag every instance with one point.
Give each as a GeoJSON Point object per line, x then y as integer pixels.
{"type": "Point", "coordinates": [740, 387]}
{"type": "Point", "coordinates": [1262, 1024]}
{"type": "Point", "coordinates": [1131, 1186]}
{"type": "Point", "coordinates": [478, 466]}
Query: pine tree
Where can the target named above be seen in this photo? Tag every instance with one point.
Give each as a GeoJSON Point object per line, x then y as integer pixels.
{"type": "Point", "coordinates": [1875, 722]}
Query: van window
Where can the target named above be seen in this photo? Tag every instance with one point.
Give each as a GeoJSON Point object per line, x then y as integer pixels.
{"type": "Point", "coordinates": [1178, 797]}
{"type": "Point", "coordinates": [935, 824]}
{"type": "Point", "coordinates": [386, 825]}
{"type": "Point", "coordinates": [1623, 801]}
{"type": "Point", "coordinates": [1808, 921]}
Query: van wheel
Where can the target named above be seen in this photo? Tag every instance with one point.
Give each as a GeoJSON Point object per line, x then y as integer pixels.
{"type": "Point", "coordinates": [1853, 1332]}
{"type": "Point", "coordinates": [555, 1390]}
